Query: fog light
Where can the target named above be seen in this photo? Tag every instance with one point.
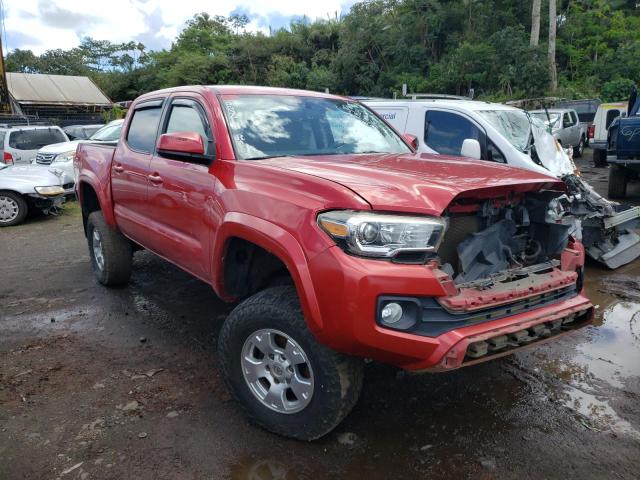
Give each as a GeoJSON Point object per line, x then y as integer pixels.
{"type": "Point", "coordinates": [391, 313]}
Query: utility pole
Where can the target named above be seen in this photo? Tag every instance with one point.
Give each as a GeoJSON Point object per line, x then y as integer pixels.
{"type": "Point", "coordinates": [5, 100]}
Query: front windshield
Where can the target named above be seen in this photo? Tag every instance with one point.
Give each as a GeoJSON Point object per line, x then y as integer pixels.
{"type": "Point", "coordinates": [108, 133]}
{"type": "Point", "coordinates": [514, 125]}
{"type": "Point", "coordinates": [551, 120]}
{"type": "Point", "coordinates": [264, 126]}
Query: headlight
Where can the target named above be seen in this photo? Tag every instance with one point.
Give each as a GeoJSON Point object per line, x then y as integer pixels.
{"type": "Point", "coordinates": [50, 191]}
{"type": "Point", "coordinates": [64, 157]}
{"type": "Point", "coordinates": [382, 235]}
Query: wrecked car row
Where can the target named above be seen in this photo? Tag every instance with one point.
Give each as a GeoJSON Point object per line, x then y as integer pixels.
{"type": "Point", "coordinates": [338, 241]}
{"type": "Point", "coordinates": [504, 134]}
{"type": "Point", "coordinates": [37, 176]}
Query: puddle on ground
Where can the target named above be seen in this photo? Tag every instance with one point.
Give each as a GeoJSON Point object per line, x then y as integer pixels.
{"type": "Point", "coordinates": [595, 373]}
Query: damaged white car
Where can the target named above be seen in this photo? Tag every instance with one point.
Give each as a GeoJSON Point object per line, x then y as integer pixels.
{"type": "Point", "coordinates": [29, 187]}
{"type": "Point", "coordinates": [499, 133]}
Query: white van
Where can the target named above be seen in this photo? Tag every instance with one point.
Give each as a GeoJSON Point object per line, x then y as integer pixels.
{"type": "Point", "coordinates": [483, 130]}
{"type": "Point", "coordinates": [606, 113]}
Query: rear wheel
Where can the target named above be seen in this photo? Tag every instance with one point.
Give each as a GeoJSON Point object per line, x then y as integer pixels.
{"type": "Point", "coordinates": [284, 380]}
{"type": "Point", "coordinates": [600, 158]}
{"type": "Point", "coordinates": [110, 251]}
{"type": "Point", "coordinates": [13, 209]}
{"type": "Point", "coordinates": [579, 149]}
{"type": "Point", "coordinates": [617, 181]}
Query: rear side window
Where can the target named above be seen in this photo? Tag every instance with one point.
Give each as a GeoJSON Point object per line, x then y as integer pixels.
{"type": "Point", "coordinates": [143, 128]}
{"type": "Point", "coordinates": [574, 117]}
{"type": "Point", "coordinates": [35, 139]}
{"type": "Point", "coordinates": [611, 116]}
{"type": "Point", "coordinates": [3, 134]}
{"type": "Point", "coordinates": [444, 132]}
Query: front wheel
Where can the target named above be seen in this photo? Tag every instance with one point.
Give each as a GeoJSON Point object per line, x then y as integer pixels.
{"type": "Point", "coordinates": [284, 380]}
{"type": "Point", "coordinates": [13, 209]}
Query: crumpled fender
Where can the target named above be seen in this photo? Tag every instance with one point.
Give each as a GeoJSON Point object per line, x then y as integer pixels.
{"type": "Point", "coordinates": [276, 241]}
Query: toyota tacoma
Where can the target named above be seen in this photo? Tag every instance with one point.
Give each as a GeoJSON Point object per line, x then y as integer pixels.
{"type": "Point", "coordinates": [337, 240]}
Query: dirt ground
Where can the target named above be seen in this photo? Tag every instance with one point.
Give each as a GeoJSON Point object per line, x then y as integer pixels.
{"type": "Point", "coordinates": [123, 383]}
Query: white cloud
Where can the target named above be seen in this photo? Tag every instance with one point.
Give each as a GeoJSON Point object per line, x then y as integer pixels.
{"type": "Point", "coordinates": [45, 24]}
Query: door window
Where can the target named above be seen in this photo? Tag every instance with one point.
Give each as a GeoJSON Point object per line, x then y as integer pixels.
{"type": "Point", "coordinates": [185, 118]}
{"type": "Point", "coordinates": [574, 117]}
{"type": "Point", "coordinates": [445, 132]}
{"type": "Point", "coordinates": [144, 126]}
{"type": "Point", "coordinates": [566, 121]}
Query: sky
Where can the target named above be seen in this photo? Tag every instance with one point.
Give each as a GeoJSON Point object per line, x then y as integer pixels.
{"type": "Point", "coordinates": [40, 25]}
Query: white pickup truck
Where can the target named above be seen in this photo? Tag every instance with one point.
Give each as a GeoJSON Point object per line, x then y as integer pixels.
{"type": "Point", "coordinates": [500, 133]}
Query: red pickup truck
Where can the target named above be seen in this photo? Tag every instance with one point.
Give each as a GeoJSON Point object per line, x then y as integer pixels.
{"type": "Point", "coordinates": [338, 241]}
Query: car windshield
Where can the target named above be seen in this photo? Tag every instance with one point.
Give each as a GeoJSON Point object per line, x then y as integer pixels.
{"type": "Point", "coordinates": [514, 125]}
{"type": "Point", "coordinates": [35, 139]}
{"type": "Point", "coordinates": [551, 120]}
{"type": "Point", "coordinates": [264, 126]}
{"type": "Point", "coordinates": [108, 133]}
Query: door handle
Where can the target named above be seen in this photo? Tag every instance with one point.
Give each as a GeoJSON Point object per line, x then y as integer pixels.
{"type": "Point", "coordinates": [155, 179]}
{"type": "Point", "coordinates": [118, 168]}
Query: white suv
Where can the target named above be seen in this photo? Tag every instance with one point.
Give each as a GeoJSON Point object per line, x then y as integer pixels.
{"type": "Point", "coordinates": [20, 143]}
{"type": "Point", "coordinates": [606, 113]}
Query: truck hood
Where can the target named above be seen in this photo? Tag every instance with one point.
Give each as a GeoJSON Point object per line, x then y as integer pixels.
{"type": "Point", "coordinates": [418, 183]}
{"type": "Point", "coordinates": [61, 147]}
{"type": "Point", "coordinates": [23, 178]}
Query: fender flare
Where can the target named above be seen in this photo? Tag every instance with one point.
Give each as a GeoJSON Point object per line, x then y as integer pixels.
{"type": "Point", "coordinates": [103, 192]}
{"type": "Point", "coordinates": [277, 241]}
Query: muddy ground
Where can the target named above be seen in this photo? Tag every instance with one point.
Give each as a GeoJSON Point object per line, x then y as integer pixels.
{"type": "Point", "coordinates": [123, 383]}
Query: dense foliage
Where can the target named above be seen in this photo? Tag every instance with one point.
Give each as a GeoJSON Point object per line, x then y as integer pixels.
{"type": "Point", "coordinates": [440, 46]}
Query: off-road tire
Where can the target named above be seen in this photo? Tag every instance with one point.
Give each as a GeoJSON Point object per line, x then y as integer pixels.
{"type": "Point", "coordinates": [617, 182]}
{"type": "Point", "coordinates": [117, 251]}
{"type": "Point", "coordinates": [599, 158]}
{"type": "Point", "coordinates": [23, 208]}
{"type": "Point", "coordinates": [337, 378]}
{"type": "Point", "coordinates": [579, 149]}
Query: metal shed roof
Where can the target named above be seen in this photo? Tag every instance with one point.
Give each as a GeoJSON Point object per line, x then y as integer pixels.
{"type": "Point", "coordinates": [35, 88]}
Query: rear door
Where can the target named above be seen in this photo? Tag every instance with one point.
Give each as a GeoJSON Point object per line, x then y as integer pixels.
{"type": "Point", "coordinates": [130, 169]}
{"type": "Point", "coordinates": [181, 191]}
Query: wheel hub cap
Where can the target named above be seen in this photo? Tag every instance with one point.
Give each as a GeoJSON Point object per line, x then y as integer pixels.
{"type": "Point", "coordinates": [8, 209]}
{"type": "Point", "coordinates": [277, 371]}
{"type": "Point", "coordinates": [98, 253]}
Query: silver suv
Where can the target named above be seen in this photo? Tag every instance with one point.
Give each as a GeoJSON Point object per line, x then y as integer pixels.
{"type": "Point", "coordinates": [20, 143]}
{"type": "Point", "coordinates": [565, 127]}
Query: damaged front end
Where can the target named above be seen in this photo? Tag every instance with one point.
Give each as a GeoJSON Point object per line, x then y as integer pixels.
{"type": "Point", "coordinates": [609, 231]}
{"type": "Point", "coordinates": [504, 260]}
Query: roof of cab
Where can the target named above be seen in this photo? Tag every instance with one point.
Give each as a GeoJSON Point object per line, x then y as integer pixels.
{"type": "Point", "coordinates": [242, 90]}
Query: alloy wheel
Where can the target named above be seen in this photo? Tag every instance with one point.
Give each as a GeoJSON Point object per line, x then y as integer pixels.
{"type": "Point", "coordinates": [277, 371]}
{"type": "Point", "coordinates": [98, 252]}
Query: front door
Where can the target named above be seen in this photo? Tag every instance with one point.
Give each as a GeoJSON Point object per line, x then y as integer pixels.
{"type": "Point", "coordinates": [130, 169]}
{"type": "Point", "coordinates": [181, 192]}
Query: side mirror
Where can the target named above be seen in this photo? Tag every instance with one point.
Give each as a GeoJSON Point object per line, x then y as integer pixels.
{"type": "Point", "coordinates": [411, 140]}
{"type": "Point", "coordinates": [181, 143]}
{"type": "Point", "coordinates": [471, 148]}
